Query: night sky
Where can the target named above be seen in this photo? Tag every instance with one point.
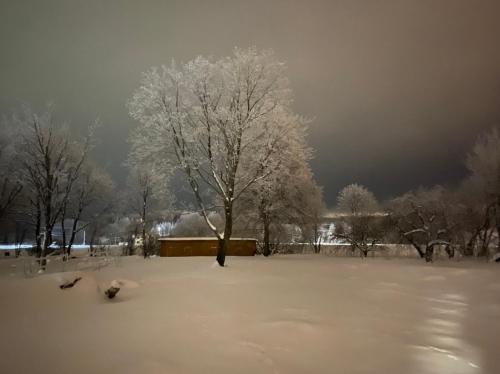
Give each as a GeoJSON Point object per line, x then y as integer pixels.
{"type": "Point", "coordinates": [398, 90]}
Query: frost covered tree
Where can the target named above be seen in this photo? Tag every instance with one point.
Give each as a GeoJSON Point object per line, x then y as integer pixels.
{"type": "Point", "coordinates": [90, 197]}
{"type": "Point", "coordinates": [284, 196]}
{"type": "Point", "coordinates": [286, 199]}
{"type": "Point", "coordinates": [422, 218]}
{"type": "Point", "coordinates": [361, 230]}
{"type": "Point", "coordinates": [219, 121]}
{"type": "Point", "coordinates": [308, 206]}
{"type": "Point", "coordinates": [145, 196]}
{"type": "Point", "coordinates": [483, 163]}
{"type": "Point", "coordinates": [50, 165]}
{"type": "Point", "coordinates": [356, 199]}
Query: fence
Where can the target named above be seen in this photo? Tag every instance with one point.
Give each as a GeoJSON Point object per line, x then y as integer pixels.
{"type": "Point", "coordinates": [31, 266]}
{"type": "Point", "coordinates": [345, 250]}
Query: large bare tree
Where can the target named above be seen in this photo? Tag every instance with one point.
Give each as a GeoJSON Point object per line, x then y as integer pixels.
{"type": "Point", "coordinates": [50, 163]}
{"type": "Point", "coordinates": [219, 121]}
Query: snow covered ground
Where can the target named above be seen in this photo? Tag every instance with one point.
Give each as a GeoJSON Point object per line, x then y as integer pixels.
{"type": "Point", "coordinates": [11, 247]}
{"type": "Point", "coordinates": [285, 314]}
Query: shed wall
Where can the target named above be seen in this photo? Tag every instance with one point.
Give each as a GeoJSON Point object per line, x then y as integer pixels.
{"type": "Point", "coordinates": [176, 248]}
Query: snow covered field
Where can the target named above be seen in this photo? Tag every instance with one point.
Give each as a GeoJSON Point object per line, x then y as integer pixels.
{"type": "Point", "coordinates": [285, 314]}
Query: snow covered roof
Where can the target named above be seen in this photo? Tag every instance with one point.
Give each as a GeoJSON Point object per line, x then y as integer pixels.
{"type": "Point", "coordinates": [200, 238]}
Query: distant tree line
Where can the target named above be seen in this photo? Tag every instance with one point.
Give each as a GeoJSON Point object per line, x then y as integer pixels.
{"type": "Point", "coordinates": [48, 180]}
{"type": "Point", "coordinates": [226, 129]}
{"type": "Point", "coordinates": [464, 220]}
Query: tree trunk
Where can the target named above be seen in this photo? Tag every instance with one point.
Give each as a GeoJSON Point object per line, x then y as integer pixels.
{"type": "Point", "coordinates": [267, 247]}
{"type": "Point", "coordinates": [228, 230]}
{"type": "Point", "coordinates": [144, 245]}
{"type": "Point", "coordinates": [417, 247]}
{"type": "Point", "coordinates": [317, 239]}
{"type": "Point", "coordinates": [20, 236]}
{"type": "Point", "coordinates": [429, 253]}
{"type": "Point", "coordinates": [74, 227]}
{"type": "Point", "coordinates": [497, 219]}
{"type": "Point", "coordinates": [38, 230]}
{"type": "Point", "coordinates": [364, 251]}
{"type": "Point", "coordinates": [93, 235]}
{"type": "Point", "coordinates": [221, 251]}
{"type": "Point", "coordinates": [73, 235]}
{"type": "Point", "coordinates": [485, 241]}
{"type": "Point", "coordinates": [450, 251]}
{"type": "Point", "coordinates": [47, 204]}
{"type": "Point", "coordinates": [469, 248]}
{"type": "Point", "coordinates": [63, 232]}
{"type": "Point", "coordinates": [47, 240]}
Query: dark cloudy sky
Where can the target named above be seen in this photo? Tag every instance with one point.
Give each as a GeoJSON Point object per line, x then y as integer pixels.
{"type": "Point", "coordinates": [398, 89]}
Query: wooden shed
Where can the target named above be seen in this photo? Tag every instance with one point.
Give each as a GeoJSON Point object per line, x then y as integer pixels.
{"type": "Point", "coordinates": [174, 247]}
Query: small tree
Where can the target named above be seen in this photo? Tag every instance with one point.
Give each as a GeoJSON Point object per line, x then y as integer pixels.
{"type": "Point", "coordinates": [361, 232]}
{"type": "Point", "coordinates": [285, 196]}
{"type": "Point", "coordinates": [146, 194]}
{"type": "Point", "coordinates": [358, 228]}
{"type": "Point", "coordinates": [422, 219]}
{"type": "Point", "coordinates": [356, 199]}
